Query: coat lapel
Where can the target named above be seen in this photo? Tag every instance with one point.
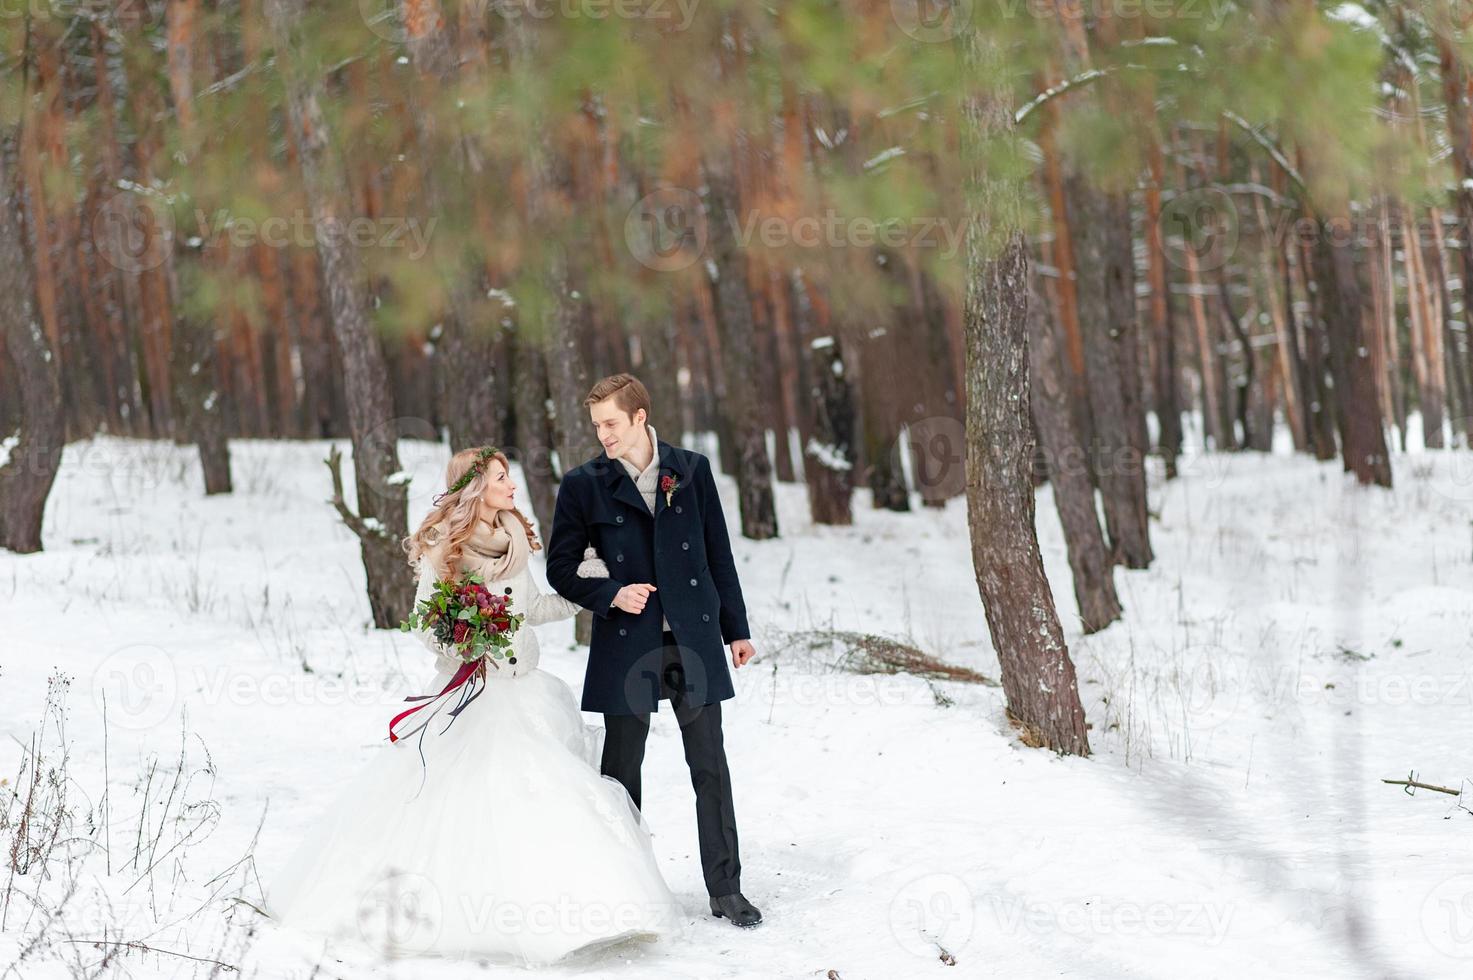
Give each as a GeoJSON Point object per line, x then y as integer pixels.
{"type": "Point", "coordinates": [623, 485]}
{"type": "Point", "coordinates": [617, 478]}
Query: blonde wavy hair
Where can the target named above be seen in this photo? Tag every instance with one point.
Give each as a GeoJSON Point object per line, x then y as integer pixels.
{"type": "Point", "coordinates": [457, 513]}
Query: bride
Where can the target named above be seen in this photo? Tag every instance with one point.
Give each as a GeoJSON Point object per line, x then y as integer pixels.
{"type": "Point", "coordinates": [514, 848]}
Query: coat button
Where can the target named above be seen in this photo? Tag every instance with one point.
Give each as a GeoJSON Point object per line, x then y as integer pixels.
{"type": "Point", "coordinates": [623, 631]}
{"type": "Point", "coordinates": [618, 557]}
{"type": "Point", "coordinates": [677, 508]}
{"type": "Point", "coordinates": [692, 581]}
{"type": "Point", "coordinates": [507, 590]}
{"type": "Point", "coordinates": [705, 617]}
{"type": "Point", "coordinates": [685, 546]}
{"type": "Point", "coordinates": [619, 519]}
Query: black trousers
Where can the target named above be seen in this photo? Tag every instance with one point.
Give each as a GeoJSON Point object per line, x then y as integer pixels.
{"type": "Point", "coordinates": [705, 755]}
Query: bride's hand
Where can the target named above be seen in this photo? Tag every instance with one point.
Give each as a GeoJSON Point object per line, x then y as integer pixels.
{"type": "Point", "coordinates": [592, 566]}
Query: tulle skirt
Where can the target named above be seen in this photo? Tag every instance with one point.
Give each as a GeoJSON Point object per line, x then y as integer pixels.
{"type": "Point", "coordinates": [506, 844]}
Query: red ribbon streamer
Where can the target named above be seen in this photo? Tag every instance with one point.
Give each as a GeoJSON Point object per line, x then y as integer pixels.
{"type": "Point", "coordinates": [463, 675]}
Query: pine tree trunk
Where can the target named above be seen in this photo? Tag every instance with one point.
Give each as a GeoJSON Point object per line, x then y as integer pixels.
{"type": "Point", "coordinates": [381, 521]}
{"type": "Point", "coordinates": [196, 389]}
{"type": "Point", "coordinates": [787, 372]}
{"type": "Point", "coordinates": [733, 308]}
{"type": "Point", "coordinates": [137, 245]}
{"type": "Point", "coordinates": [1065, 461]}
{"type": "Point", "coordinates": [558, 334]}
{"type": "Point", "coordinates": [533, 435]}
{"type": "Point", "coordinates": [1321, 416]}
{"type": "Point", "coordinates": [1243, 403]}
{"type": "Point", "coordinates": [27, 475]}
{"type": "Point", "coordinates": [658, 369]}
{"type": "Point", "coordinates": [1454, 367]}
{"type": "Point", "coordinates": [809, 325]}
{"type": "Point", "coordinates": [1119, 471]}
{"type": "Point", "coordinates": [1427, 357]}
{"type": "Point", "coordinates": [1455, 86]}
{"type": "Point", "coordinates": [770, 396]}
{"type": "Point", "coordinates": [1281, 312]}
{"type": "Point", "coordinates": [931, 408]}
{"type": "Point", "coordinates": [1166, 392]}
{"type": "Point", "coordinates": [466, 346]}
{"type": "Point", "coordinates": [196, 385]}
{"type": "Point", "coordinates": [879, 426]}
{"type": "Point", "coordinates": [1382, 326]}
{"type": "Point", "coordinates": [118, 292]}
{"type": "Point", "coordinates": [828, 458]}
{"type": "Point", "coordinates": [1037, 674]}
{"type": "Point", "coordinates": [322, 395]}
{"type": "Point", "coordinates": [1362, 440]}
{"type": "Point", "coordinates": [1064, 258]}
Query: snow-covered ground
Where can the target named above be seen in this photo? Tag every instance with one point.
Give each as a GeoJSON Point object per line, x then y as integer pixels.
{"type": "Point", "coordinates": [1296, 640]}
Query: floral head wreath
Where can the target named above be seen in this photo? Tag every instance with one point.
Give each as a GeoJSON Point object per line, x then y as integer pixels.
{"type": "Point", "coordinates": [476, 468]}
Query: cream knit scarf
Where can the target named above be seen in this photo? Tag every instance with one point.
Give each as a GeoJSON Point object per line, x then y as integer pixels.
{"type": "Point", "coordinates": [496, 551]}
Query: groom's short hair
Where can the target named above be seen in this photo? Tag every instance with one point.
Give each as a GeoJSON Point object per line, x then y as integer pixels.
{"type": "Point", "coordinates": [626, 390]}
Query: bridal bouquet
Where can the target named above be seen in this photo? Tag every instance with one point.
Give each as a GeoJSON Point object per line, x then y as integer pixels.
{"type": "Point", "coordinates": [468, 618]}
{"type": "Point", "coordinates": [474, 625]}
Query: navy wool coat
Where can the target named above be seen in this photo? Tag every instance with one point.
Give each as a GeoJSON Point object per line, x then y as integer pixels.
{"type": "Point", "coordinates": [682, 549]}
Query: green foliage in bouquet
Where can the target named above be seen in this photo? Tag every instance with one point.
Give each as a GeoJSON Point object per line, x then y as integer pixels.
{"type": "Point", "coordinates": [468, 619]}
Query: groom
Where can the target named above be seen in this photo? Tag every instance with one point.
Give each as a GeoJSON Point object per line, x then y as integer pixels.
{"type": "Point", "coordinates": [671, 602]}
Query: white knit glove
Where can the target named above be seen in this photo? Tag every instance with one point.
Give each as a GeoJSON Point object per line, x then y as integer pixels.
{"type": "Point", "coordinates": [592, 566]}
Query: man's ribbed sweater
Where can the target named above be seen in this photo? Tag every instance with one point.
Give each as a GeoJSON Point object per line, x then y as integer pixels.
{"type": "Point", "coordinates": [647, 482]}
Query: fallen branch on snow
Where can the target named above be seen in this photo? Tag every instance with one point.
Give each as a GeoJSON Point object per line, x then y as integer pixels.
{"type": "Point", "coordinates": [1411, 784]}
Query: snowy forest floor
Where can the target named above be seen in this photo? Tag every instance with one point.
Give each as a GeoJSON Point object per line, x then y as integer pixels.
{"type": "Point", "coordinates": [1296, 641]}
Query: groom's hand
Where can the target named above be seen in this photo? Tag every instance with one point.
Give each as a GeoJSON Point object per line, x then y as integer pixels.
{"type": "Point", "coordinates": [741, 652]}
{"type": "Point", "coordinates": [632, 598]}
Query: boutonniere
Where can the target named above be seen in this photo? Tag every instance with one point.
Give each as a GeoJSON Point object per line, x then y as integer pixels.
{"type": "Point", "coordinates": [669, 484]}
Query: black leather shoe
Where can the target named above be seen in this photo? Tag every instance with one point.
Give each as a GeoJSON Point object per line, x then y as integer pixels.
{"type": "Point", "coordinates": [736, 908]}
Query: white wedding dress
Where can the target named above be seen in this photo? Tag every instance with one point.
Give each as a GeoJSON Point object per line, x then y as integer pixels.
{"type": "Point", "coordinates": [515, 849]}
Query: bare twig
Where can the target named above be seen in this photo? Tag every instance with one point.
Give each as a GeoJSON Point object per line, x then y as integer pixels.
{"type": "Point", "coordinates": [356, 524]}
{"type": "Point", "coordinates": [144, 947]}
{"type": "Point", "coordinates": [1411, 784]}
